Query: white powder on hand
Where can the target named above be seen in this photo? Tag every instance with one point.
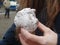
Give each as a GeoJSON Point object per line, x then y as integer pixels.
{"type": "Point", "coordinates": [26, 18]}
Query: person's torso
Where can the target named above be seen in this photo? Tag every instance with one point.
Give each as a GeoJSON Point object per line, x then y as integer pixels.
{"type": "Point", "coordinates": [6, 3]}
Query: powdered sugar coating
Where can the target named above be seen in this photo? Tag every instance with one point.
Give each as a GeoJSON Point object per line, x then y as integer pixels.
{"type": "Point", "coordinates": [26, 18]}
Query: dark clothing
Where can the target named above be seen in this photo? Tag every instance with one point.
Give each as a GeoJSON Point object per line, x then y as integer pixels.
{"type": "Point", "coordinates": [9, 37]}
{"type": "Point", "coordinates": [57, 23]}
{"type": "Point", "coordinates": [42, 17]}
{"type": "Point", "coordinates": [57, 27]}
{"type": "Point", "coordinates": [58, 39]}
{"type": "Point", "coordinates": [7, 11]}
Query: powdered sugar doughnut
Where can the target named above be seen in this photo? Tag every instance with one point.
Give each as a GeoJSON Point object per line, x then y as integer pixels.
{"type": "Point", "coordinates": [26, 18]}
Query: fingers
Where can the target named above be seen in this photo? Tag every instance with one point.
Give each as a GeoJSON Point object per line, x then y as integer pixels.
{"type": "Point", "coordinates": [43, 27]}
{"type": "Point", "coordinates": [22, 40]}
{"type": "Point", "coordinates": [31, 37]}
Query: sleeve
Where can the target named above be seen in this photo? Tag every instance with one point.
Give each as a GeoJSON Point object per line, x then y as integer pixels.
{"type": "Point", "coordinates": [57, 23]}
{"type": "Point", "coordinates": [10, 32]}
{"type": "Point", "coordinates": [58, 43]}
{"type": "Point", "coordinates": [9, 37]}
{"type": "Point", "coordinates": [57, 27]}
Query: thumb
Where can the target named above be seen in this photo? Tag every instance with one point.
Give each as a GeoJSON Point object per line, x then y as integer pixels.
{"type": "Point", "coordinates": [43, 27]}
{"type": "Point", "coordinates": [31, 37]}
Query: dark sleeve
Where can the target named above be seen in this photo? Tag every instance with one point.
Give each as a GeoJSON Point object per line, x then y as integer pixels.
{"type": "Point", "coordinates": [10, 32]}
{"type": "Point", "coordinates": [58, 43]}
{"type": "Point", "coordinates": [57, 23]}
{"type": "Point", "coordinates": [9, 37]}
{"type": "Point", "coordinates": [57, 27]}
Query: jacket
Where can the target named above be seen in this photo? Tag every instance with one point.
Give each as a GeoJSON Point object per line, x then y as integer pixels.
{"type": "Point", "coordinates": [9, 37]}
{"type": "Point", "coordinates": [57, 27]}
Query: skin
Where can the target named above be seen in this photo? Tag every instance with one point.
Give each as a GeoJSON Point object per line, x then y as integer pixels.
{"type": "Point", "coordinates": [49, 38]}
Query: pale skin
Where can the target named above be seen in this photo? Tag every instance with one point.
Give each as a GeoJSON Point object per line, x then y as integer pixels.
{"type": "Point", "coordinates": [49, 38]}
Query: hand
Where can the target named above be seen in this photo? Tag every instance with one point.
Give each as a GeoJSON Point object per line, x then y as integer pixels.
{"type": "Point", "coordinates": [49, 38]}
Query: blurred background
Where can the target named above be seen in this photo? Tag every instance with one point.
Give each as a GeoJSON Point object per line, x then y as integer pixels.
{"type": "Point", "coordinates": [16, 5]}
{"type": "Point", "coordinates": [5, 23]}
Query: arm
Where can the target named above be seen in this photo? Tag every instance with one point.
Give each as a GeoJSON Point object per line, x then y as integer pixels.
{"type": "Point", "coordinates": [9, 37]}
{"type": "Point", "coordinates": [10, 31]}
